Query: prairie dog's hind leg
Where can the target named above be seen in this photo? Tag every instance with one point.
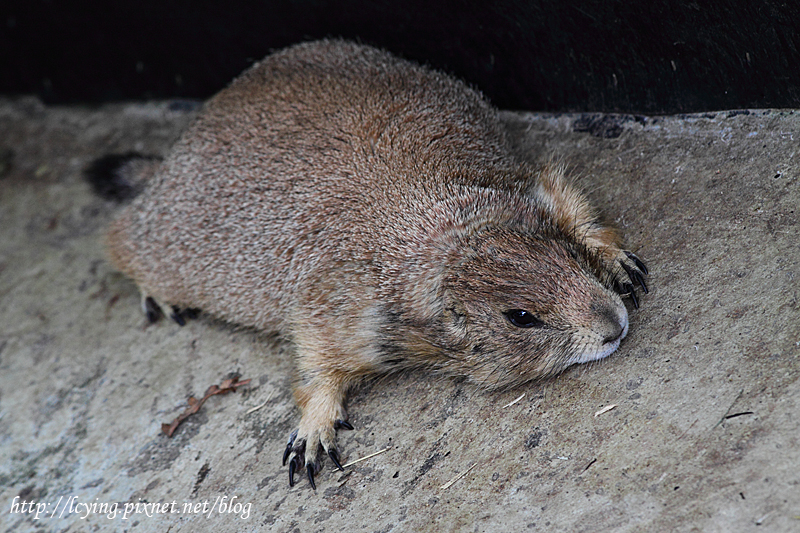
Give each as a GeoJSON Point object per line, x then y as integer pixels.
{"type": "Point", "coordinates": [153, 310]}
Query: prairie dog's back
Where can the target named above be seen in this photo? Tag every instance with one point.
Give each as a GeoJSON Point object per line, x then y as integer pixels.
{"type": "Point", "coordinates": [308, 153]}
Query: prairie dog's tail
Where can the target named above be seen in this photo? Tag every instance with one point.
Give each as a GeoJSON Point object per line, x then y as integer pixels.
{"type": "Point", "coordinates": [120, 177]}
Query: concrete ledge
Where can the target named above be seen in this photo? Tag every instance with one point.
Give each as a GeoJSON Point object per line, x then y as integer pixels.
{"type": "Point", "coordinates": [704, 435]}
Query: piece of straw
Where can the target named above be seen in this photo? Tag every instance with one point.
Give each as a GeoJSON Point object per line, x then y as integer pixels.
{"type": "Point", "coordinates": [605, 409]}
{"type": "Point", "coordinates": [351, 463]}
{"type": "Point", "coordinates": [515, 401]}
{"type": "Point", "coordinates": [459, 476]}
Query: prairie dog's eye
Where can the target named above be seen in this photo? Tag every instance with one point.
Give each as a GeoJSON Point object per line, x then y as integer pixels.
{"type": "Point", "coordinates": [523, 319]}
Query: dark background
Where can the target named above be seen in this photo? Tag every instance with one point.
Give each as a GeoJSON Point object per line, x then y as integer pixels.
{"type": "Point", "coordinates": [634, 56]}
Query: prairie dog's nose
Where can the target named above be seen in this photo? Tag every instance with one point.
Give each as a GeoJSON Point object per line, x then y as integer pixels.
{"type": "Point", "coordinates": [611, 321]}
{"type": "Point", "coordinates": [614, 334]}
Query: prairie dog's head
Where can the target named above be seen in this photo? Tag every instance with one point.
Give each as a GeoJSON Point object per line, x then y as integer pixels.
{"type": "Point", "coordinates": [524, 307]}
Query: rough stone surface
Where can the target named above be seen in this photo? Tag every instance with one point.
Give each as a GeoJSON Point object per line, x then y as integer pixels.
{"type": "Point", "coordinates": [703, 436]}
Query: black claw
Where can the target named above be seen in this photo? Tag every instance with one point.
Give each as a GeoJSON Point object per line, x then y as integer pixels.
{"type": "Point", "coordinates": [177, 316]}
{"type": "Point", "coordinates": [342, 424]}
{"type": "Point", "coordinates": [640, 281]}
{"type": "Point", "coordinates": [310, 472]}
{"type": "Point", "coordinates": [627, 288]}
{"type": "Point", "coordinates": [618, 287]}
{"type": "Point", "coordinates": [629, 271]}
{"type": "Point", "coordinates": [295, 465]}
{"type": "Point", "coordinates": [151, 310]}
{"type": "Point", "coordinates": [639, 263]}
{"type": "Point", "coordinates": [289, 446]}
{"type": "Point", "coordinates": [632, 294]}
{"type": "Point", "coordinates": [334, 455]}
{"type": "Point", "coordinates": [191, 313]}
{"type": "Point", "coordinates": [635, 276]}
{"type": "Point", "coordinates": [291, 471]}
{"type": "Point", "coordinates": [287, 452]}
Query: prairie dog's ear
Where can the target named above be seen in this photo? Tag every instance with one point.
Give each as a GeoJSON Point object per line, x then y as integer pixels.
{"type": "Point", "coordinates": [568, 206]}
{"type": "Point", "coordinates": [571, 210]}
{"type": "Point", "coordinates": [120, 177]}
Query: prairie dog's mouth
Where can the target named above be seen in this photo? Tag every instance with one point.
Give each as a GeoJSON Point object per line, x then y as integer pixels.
{"type": "Point", "coordinates": [605, 348]}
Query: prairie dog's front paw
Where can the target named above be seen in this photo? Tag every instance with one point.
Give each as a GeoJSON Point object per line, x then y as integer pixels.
{"type": "Point", "coordinates": [319, 392]}
{"type": "Point", "coordinates": [627, 272]}
{"type": "Point", "coordinates": [307, 446]}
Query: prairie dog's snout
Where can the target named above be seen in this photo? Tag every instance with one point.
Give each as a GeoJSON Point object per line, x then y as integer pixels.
{"type": "Point", "coordinates": [601, 324]}
{"type": "Point", "coordinates": [610, 325]}
{"type": "Point", "coordinates": [612, 321]}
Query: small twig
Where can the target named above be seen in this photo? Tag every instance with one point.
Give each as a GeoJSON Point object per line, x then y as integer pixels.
{"type": "Point", "coordinates": [351, 463]}
{"type": "Point", "coordinates": [459, 476]}
{"type": "Point", "coordinates": [605, 409]}
{"type": "Point", "coordinates": [509, 404]}
{"type": "Point", "coordinates": [721, 420]}
{"type": "Point", "coordinates": [728, 417]}
{"type": "Point", "coordinates": [593, 461]}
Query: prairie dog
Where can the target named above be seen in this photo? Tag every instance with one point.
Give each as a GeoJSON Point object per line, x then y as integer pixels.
{"type": "Point", "coordinates": [371, 210]}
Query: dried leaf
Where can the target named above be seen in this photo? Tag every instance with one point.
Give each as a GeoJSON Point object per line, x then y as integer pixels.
{"type": "Point", "coordinates": [228, 385]}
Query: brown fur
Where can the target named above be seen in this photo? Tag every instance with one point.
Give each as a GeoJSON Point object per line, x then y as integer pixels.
{"type": "Point", "coordinates": [371, 210]}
